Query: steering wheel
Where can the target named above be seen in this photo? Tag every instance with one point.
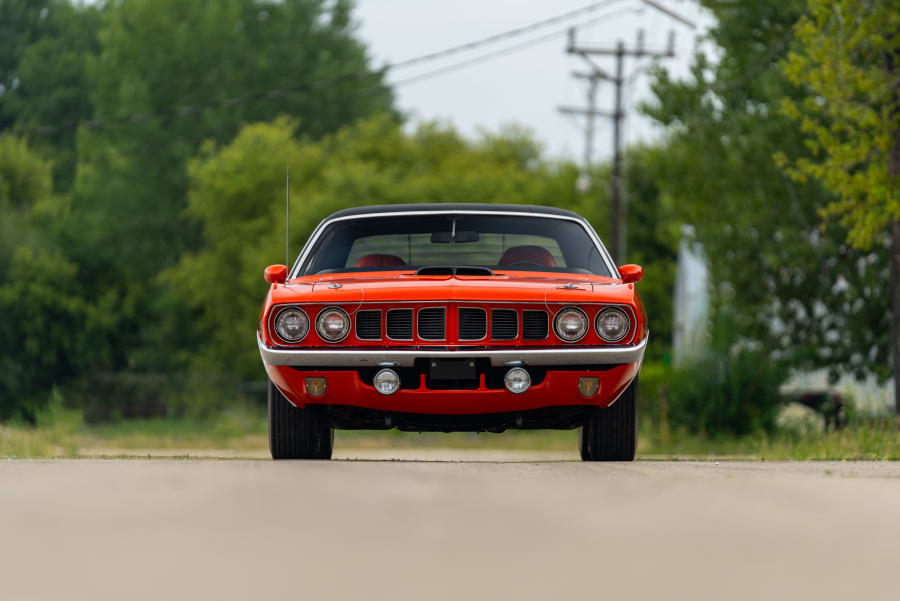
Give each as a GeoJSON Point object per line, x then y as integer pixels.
{"type": "Point", "coordinates": [517, 263]}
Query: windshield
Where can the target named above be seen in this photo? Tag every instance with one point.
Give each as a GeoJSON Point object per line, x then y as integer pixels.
{"type": "Point", "coordinates": [494, 241]}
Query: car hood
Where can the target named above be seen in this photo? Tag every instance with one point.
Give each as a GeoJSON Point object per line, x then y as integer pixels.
{"type": "Point", "coordinates": [504, 287]}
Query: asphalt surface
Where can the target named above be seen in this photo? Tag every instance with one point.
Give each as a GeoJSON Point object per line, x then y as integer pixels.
{"type": "Point", "coordinates": [479, 529]}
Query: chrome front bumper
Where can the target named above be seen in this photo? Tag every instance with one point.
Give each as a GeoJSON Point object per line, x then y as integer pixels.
{"type": "Point", "coordinates": [405, 358]}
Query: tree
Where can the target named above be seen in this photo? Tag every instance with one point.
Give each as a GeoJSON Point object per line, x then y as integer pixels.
{"type": "Point", "coordinates": [49, 333]}
{"type": "Point", "coordinates": [788, 282]}
{"type": "Point", "coordinates": [53, 88]}
{"type": "Point", "coordinates": [848, 62]}
{"type": "Point", "coordinates": [21, 23]}
{"type": "Point", "coordinates": [169, 76]}
{"type": "Point", "coordinates": [198, 70]}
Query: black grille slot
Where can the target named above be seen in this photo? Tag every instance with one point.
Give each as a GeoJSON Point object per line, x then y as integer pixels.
{"type": "Point", "coordinates": [504, 324]}
{"type": "Point", "coordinates": [431, 323]}
{"type": "Point", "coordinates": [368, 325]}
{"type": "Point", "coordinates": [398, 324]}
{"type": "Point", "coordinates": [472, 324]}
{"type": "Point", "coordinates": [535, 325]}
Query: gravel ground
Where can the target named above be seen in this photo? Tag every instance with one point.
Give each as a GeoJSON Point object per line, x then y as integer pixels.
{"type": "Point", "coordinates": [457, 523]}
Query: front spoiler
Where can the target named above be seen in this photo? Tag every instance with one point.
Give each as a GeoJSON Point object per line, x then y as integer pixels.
{"type": "Point", "coordinates": [595, 355]}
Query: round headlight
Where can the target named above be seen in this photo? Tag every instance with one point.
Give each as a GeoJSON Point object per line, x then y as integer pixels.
{"type": "Point", "coordinates": [612, 324]}
{"type": "Point", "coordinates": [387, 381]}
{"type": "Point", "coordinates": [571, 324]}
{"type": "Point", "coordinates": [291, 325]}
{"type": "Point", "coordinates": [333, 324]}
{"type": "Point", "coordinates": [517, 380]}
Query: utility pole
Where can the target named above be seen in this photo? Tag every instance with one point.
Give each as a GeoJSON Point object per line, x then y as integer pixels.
{"type": "Point", "coordinates": [617, 208]}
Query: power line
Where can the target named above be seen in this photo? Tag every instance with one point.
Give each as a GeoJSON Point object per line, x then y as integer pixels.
{"type": "Point", "coordinates": [501, 36]}
{"type": "Point", "coordinates": [509, 49]}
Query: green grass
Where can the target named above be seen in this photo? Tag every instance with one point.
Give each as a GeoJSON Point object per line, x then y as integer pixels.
{"type": "Point", "coordinates": [876, 439]}
{"type": "Point", "coordinates": [63, 433]}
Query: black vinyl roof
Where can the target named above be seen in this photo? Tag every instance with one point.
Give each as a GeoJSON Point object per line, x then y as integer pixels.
{"type": "Point", "coordinates": [454, 206]}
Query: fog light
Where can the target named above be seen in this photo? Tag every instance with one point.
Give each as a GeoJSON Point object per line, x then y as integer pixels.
{"type": "Point", "coordinates": [517, 380]}
{"type": "Point", "coordinates": [588, 386]}
{"type": "Point", "coordinates": [315, 386]}
{"type": "Point", "coordinates": [387, 381]}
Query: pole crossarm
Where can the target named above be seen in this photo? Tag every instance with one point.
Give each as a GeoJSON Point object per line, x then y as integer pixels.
{"type": "Point", "coordinates": [574, 110]}
{"type": "Point", "coordinates": [596, 74]}
{"type": "Point", "coordinates": [638, 52]}
{"type": "Point", "coordinates": [618, 206]}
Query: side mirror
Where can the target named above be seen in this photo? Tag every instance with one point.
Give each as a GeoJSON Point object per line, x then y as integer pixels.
{"type": "Point", "coordinates": [631, 273]}
{"type": "Point", "coordinates": [276, 274]}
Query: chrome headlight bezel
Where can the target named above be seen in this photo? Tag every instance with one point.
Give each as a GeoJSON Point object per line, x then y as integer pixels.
{"type": "Point", "coordinates": [606, 311]}
{"type": "Point", "coordinates": [320, 320]}
{"type": "Point", "coordinates": [282, 313]}
{"type": "Point", "coordinates": [585, 324]}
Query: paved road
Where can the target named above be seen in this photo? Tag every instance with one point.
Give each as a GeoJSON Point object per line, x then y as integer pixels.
{"type": "Point", "coordinates": [205, 529]}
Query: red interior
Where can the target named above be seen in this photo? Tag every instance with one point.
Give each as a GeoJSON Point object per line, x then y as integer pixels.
{"type": "Point", "coordinates": [380, 260]}
{"type": "Point", "coordinates": [528, 254]}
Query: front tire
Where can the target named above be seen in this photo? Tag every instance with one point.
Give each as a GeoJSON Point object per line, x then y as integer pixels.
{"type": "Point", "coordinates": [610, 433]}
{"type": "Point", "coordinates": [297, 433]}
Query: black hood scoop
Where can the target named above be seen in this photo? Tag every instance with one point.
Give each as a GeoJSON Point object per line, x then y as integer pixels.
{"type": "Point", "coordinates": [454, 270]}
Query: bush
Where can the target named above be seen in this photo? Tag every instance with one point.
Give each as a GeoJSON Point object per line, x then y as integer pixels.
{"type": "Point", "coordinates": [732, 392]}
{"type": "Point", "coordinates": [652, 393]}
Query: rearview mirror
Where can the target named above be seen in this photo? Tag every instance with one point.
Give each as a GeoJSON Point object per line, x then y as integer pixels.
{"type": "Point", "coordinates": [631, 273]}
{"type": "Point", "coordinates": [456, 237]}
{"type": "Point", "coordinates": [276, 274]}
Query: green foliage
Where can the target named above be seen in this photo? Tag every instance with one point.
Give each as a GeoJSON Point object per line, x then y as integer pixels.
{"type": "Point", "coordinates": [48, 327]}
{"type": "Point", "coordinates": [653, 234]}
{"type": "Point", "coordinates": [158, 57]}
{"type": "Point", "coordinates": [795, 287]}
{"type": "Point", "coordinates": [132, 247]}
{"type": "Point", "coordinates": [726, 393]}
{"type": "Point", "coordinates": [848, 60]}
{"type": "Point", "coordinates": [237, 193]}
{"type": "Point", "coordinates": [52, 89]}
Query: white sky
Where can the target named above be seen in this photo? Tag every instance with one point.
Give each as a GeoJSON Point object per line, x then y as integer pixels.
{"type": "Point", "coordinates": [526, 86]}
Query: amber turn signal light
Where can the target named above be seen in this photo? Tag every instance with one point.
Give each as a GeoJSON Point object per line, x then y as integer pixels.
{"type": "Point", "coordinates": [315, 386]}
{"type": "Point", "coordinates": [588, 387]}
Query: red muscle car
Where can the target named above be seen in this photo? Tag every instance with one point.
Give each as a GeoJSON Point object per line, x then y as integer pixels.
{"type": "Point", "coordinates": [453, 317]}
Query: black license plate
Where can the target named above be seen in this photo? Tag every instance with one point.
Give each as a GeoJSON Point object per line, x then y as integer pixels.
{"type": "Point", "coordinates": [451, 369]}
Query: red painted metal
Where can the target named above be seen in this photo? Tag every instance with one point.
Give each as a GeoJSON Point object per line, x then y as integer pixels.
{"type": "Point", "coordinates": [559, 388]}
{"type": "Point", "coordinates": [508, 289]}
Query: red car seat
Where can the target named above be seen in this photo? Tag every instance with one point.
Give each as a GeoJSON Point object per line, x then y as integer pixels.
{"type": "Point", "coordinates": [379, 260]}
{"type": "Point", "coordinates": [528, 254]}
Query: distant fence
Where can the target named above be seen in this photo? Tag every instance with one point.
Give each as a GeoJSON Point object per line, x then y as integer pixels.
{"type": "Point", "coordinates": [107, 396]}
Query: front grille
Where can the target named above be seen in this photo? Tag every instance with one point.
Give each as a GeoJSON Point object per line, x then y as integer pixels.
{"type": "Point", "coordinates": [368, 325]}
{"type": "Point", "coordinates": [398, 324]}
{"type": "Point", "coordinates": [431, 323]}
{"type": "Point", "coordinates": [535, 325]}
{"type": "Point", "coordinates": [472, 324]}
{"type": "Point", "coordinates": [504, 324]}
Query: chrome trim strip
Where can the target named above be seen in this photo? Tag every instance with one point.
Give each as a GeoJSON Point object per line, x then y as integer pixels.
{"type": "Point", "coordinates": [574, 308]}
{"type": "Point", "coordinates": [412, 325]}
{"type": "Point", "coordinates": [278, 310]}
{"type": "Point", "coordinates": [469, 301]}
{"type": "Point", "coordinates": [333, 308]}
{"type": "Point", "coordinates": [579, 220]}
{"type": "Point", "coordinates": [499, 357]}
{"type": "Point", "coordinates": [418, 328]}
{"type": "Point", "coordinates": [458, 311]}
{"type": "Point", "coordinates": [624, 334]}
{"type": "Point", "coordinates": [549, 325]}
{"type": "Point", "coordinates": [380, 324]}
{"type": "Point", "coordinates": [518, 318]}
